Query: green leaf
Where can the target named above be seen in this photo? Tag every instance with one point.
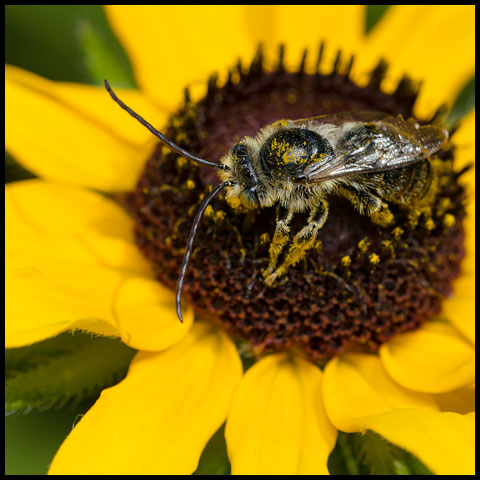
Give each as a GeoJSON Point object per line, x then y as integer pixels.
{"type": "Point", "coordinates": [371, 454]}
{"type": "Point", "coordinates": [14, 171]}
{"type": "Point", "coordinates": [464, 103]}
{"type": "Point", "coordinates": [32, 440]}
{"type": "Point", "coordinates": [379, 455]}
{"type": "Point", "coordinates": [62, 369]}
{"type": "Point", "coordinates": [345, 459]}
{"type": "Point", "coordinates": [214, 458]}
{"type": "Point", "coordinates": [45, 39]}
{"type": "Point", "coordinates": [373, 14]}
{"type": "Point", "coordinates": [101, 60]}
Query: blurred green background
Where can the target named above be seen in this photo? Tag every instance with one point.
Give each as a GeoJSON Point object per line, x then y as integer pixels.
{"type": "Point", "coordinates": [69, 43]}
{"type": "Point", "coordinates": [57, 41]}
{"type": "Point", "coordinates": [32, 439]}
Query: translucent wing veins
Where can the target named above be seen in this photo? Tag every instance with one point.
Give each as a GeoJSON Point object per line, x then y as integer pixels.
{"type": "Point", "coordinates": [367, 147]}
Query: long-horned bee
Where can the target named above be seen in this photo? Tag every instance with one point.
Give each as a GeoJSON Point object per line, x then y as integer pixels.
{"type": "Point", "coordinates": [370, 158]}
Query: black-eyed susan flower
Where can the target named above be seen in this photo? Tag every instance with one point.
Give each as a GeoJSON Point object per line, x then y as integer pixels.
{"type": "Point", "coordinates": [373, 332]}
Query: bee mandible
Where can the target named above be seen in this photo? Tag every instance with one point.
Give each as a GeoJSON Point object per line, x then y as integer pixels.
{"type": "Point", "coordinates": [370, 158]}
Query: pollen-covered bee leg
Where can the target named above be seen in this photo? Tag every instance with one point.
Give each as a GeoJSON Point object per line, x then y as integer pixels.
{"type": "Point", "coordinates": [280, 237]}
{"type": "Point", "coordinates": [366, 203]}
{"type": "Point", "coordinates": [303, 241]}
{"type": "Point", "coordinates": [383, 216]}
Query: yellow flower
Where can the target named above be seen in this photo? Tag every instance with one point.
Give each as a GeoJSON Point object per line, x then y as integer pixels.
{"type": "Point", "coordinates": [71, 261]}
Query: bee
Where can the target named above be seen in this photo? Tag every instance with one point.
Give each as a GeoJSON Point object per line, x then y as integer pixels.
{"type": "Point", "coordinates": [370, 158]}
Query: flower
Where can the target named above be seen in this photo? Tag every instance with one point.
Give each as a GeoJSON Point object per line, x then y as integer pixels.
{"type": "Point", "coordinates": [72, 262]}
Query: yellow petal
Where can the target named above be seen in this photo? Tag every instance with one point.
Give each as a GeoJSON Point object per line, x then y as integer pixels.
{"type": "Point", "coordinates": [39, 206]}
{"type": "Point", "coordinates": [71, 264]}
{"type": "Point", "coordinates": [85, 99]}
{"type": "Point", "coordinates": [146, 315]}
{"type": "Point", "coordinates": [42, 302]}
{"type": "Point", "coordinates": [461, 400]}
{"type": "Point", "coordinates": [160, 417]}
{"type": "Point", "coordinates": [76, 134]}
{"type": "Point", "coordinates": [357, 386]}
{"type": "Point", "coordinates": [305, 26]}
{"type": "Point", "coordinates": [443, 441]}
{"type": "Point", "coordinates": [435, 358]}
{"type": "Point", "coordinates": [53, 212]}
{"type": "Point", "coordinates": [49, 272]}
{"type": "Point", "coordinates": [432, 43]}
{"type": "Point", "coordinates": [277, 424]}
{"type": "Point", "coordinates": [459, 309]}
{"type": "Point", "coordinates": [172, 46]}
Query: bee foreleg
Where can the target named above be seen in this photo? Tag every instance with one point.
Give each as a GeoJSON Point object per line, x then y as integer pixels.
{"type": "Point", "coordinates": [367, 203]}
{"type": "Point", "coordinates": [303, 240]}
{"type": "Point", "coordinates": [280, 237]}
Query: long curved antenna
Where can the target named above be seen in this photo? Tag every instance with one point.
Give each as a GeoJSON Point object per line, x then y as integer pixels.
{"type": "Point", "coordinates": [159, 135]}
{"type": "Point", "coordinates": [191, 237]}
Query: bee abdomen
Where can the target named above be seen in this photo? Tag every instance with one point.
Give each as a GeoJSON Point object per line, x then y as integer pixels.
{"type": "Point", "coordinates": [407, 184]}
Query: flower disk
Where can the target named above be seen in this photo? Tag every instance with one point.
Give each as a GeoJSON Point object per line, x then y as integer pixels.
{"type": "Point", "coordinates": [360, 284]}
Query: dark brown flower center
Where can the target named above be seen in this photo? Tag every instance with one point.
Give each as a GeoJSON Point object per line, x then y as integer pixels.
{"type": "Point", "coordinates": [360, 285]}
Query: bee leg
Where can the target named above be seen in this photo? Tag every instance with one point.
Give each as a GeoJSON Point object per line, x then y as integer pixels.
{"type": "Point", "coordinates": [367, 203]}
{"type": "Point", "coordinates": [280, 237]}
{"type": "Point", "coordinates": [383, 216]}
{"type": "Point", "coordinates": [303, 241]}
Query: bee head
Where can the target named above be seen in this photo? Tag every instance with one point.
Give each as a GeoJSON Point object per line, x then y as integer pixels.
{"type": "Point", "coordinates": [244, 176]}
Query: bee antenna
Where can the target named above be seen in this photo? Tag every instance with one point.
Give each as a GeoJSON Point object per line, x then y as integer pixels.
{"type": "Point", "coordinates": [162, 137]}
{"type": "Point", "coordinates": [191, 237]}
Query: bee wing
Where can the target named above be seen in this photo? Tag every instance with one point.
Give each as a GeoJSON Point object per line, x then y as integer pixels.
{"type": "Point", "coordinates": [367, 147]}
{"type": "Point", "coordinates": [342, 118]}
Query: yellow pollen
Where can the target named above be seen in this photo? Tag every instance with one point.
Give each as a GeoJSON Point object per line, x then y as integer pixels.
{"type": "Point", "coordinates": [281, 123]}
{"type": "Point", "coordinates": [397, 232]}
{"type": "Point", "coordinates": [443, 205]}
{"type": "Point", "coordinates": [181, 162]}
{"type": "Point", "coordinates": [388, 247]}
{"type": "Point", "coordinates": [448, 220]}
{"type": "Point", "coordinates": [429, 224]}
{"type": "Point", "coordinates": [363, 244]}
{"type": "Point", "coordinates": [181, 137]}
{"type": "Point", "coordinates": [220, 215]}
{"type": "Point", "coordinates": [264, 238]}
{"type": "Point", "coordinates": [209, 211]}
{"type": "Point", "coordinates": [165, 151]}
{"type": "Point", "coordinates": [234, 202]}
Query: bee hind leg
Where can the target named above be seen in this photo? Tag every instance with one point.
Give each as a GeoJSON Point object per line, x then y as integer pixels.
{"type": "Point", "coordinates": [366, 203]}
{"type": "Point", "coordinates": [304, 240]}
{"type": "Point", "coordinates": [383, 216]}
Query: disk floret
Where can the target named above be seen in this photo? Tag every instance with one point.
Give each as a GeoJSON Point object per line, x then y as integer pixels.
{"type": "Point", "coordinates": [360, 278]}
